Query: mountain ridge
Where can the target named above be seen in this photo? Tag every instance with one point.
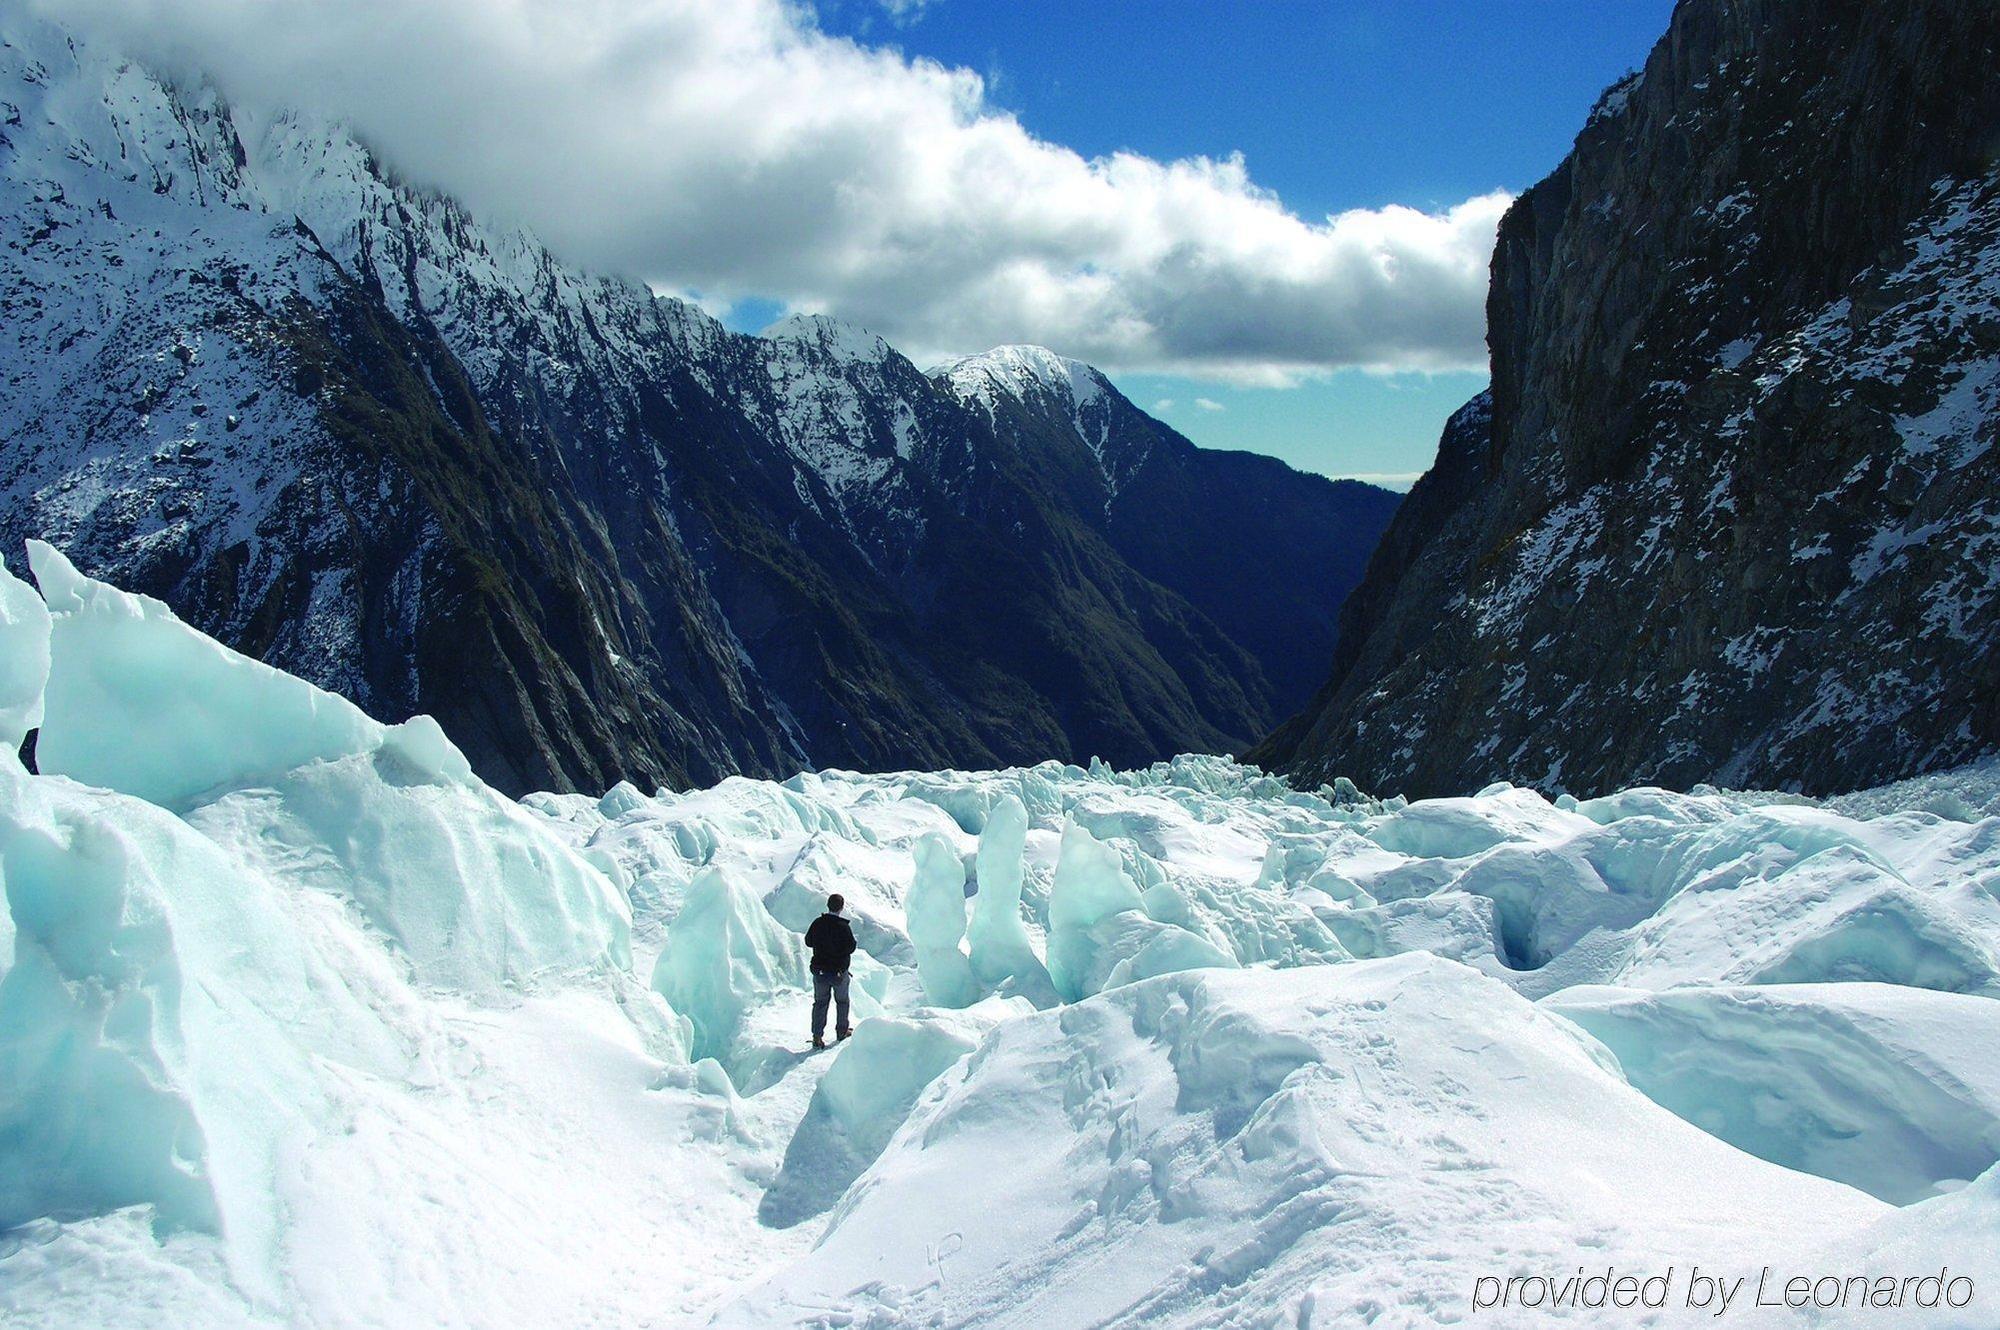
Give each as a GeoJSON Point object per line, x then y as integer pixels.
{"type": "Point", "coordinates": [345, 426]}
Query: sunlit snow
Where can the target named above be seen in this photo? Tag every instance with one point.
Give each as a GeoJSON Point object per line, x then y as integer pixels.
{"type": "Point", "coordinates": [301, 1024]}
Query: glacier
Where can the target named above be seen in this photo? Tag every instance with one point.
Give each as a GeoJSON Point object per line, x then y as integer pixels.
{"type": "Point", "coordinates": [302, 1024]}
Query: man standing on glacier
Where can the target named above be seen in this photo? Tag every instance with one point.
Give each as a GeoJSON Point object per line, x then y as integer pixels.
{"type": "Point", "coordinates": [832, 941]}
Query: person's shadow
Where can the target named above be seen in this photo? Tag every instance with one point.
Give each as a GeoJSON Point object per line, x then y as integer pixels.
{"type": "Point", "coordinates": [819, 1164]}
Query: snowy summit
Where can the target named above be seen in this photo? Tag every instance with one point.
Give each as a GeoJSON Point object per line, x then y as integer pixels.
{"type": "Point", "coordinates": [1016, 372]}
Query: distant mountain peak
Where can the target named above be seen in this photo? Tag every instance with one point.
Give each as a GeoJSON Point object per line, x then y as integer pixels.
{"type": "Point", "coordinates": [1017, 370]}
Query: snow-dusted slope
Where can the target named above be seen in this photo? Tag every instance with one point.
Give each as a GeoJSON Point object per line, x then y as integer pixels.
{"type": "Point", "coordinates": [411, 455]}
{"type": "Point", "coordinates": [1031, 378]}
{"type": "Point", "coordinates": [1230, 531]}
{"type": "Point", "coordinates": [301, 1024]}
{"type": "Point", "coordinates": [1344, 1144]}
{"type": "Point", "coordinates": [210, 394]}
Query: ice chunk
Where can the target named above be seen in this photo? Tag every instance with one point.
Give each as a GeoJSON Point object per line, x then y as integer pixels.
{"type": "Point", "coordinates": [1461, 828]}
{"type": "Point", "coordinates": [863, 1098]}
{"type": "Point", "coordinates": [1161, 950]}
{"type": "Point", "coordinates": [478, 893]}
{"type": "Point", "coordinates": [1199, 886]}
{"type": "Point", "coordinates": [1650, 801]}
{"type": "Point", "coordinates": [865, 875]}
{"type": "Point", "coordinates": [1890, 1089]}
{"type": "Point", "coordinates": [1099, 931]}
{"type": "Point", "coordinates": [94, 1105]}
{"type": "Point", "coordinates": [620, 799]}
{"type": "Point", "coordinates": [879, 1072]}
{"type": "Point", "coordinates": [24, 658]}
{"type": "Point", "coordinates": [1002, 951]}
{"type": "Point", "coordinates": [648, 856]}
{"type": "Point", "coordinates": [1454, 924]}
{"type": "Point", "coordinates": [1091, 887]}
{"type": "Point", "coordinates": [1339, 888]}
{"type": "Point", "coordinates": [936, 912]}
{"type": "Point", "coordinates": [139, 702]}
{"type": "Point", "coordinates": [1838, 914]}
{"type": "Point", "coordinates": [1547, 897]}
{"type": "Point", "coordinates": [167, 1018]}
{"type": "Point", "coordinates": [724, 956]}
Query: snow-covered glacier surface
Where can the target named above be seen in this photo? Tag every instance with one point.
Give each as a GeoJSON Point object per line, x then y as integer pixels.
{"type": "Point", "coordinates": [300, 1024]}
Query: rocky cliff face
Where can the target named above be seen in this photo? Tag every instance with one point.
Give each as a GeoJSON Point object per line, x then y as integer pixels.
{"type": "Point", "coordinates": [340, 424]}
{"type": "Point", "coordinates": [1731, 510]}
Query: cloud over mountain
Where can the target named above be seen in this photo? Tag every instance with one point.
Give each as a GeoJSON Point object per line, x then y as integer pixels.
{"type": "Point", "coordinates": [738, 150]}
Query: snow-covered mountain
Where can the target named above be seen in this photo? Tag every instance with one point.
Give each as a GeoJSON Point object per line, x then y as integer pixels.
{"type": "Point", "coordinates": [301, 1024]}
{"type": "Point", "coordinates": [1038, 382]}
{"type": "Point", "coordinates": [351, 430]}
{"type": "Point", "coordinates": [1731, 511]}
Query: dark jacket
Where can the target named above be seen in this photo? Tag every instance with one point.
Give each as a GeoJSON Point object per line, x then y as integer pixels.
{"type": "Point", "coordinates": [832, 943]}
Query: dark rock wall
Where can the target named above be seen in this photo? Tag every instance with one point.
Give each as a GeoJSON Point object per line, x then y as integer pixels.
{"type": "Point", "coordinates": [1736, 514]}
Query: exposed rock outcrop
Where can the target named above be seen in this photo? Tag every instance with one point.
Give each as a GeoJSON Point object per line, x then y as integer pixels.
{"type": "Point", "coordinates": [1732, 511]}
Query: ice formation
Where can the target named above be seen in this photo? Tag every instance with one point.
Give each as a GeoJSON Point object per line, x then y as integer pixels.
{"type": "Point", "coordinates": [302, 1024]}
{"type": "Point", "coordinates": [1002, 952]}
{"type": "Point", "coordinates": [937, 924]}
{"type": "Point", "coordinates": [724, 956]}
{"type": "Point", "coordinates": [151, 707]}
{"type": "Point", "coordinates": [24, 658]}
{"type": "Point", "coordinates": [1888, 1088]}
{"type": "Point", "coordinates": [1100, 932]}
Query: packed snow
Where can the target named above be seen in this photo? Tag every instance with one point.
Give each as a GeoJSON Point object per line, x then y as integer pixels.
{"type": "Point", "coordinates": [301, 1024]}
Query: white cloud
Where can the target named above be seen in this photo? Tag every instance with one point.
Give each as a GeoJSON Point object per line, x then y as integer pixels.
{"type": "Point", "coordinates": [1208, 404]}
{"type": "Point", "coordinates": [1164, 405]}
{"type": "Point", "coordinates": [733, 148]}
{"type": "Point", "coordinates": [904, 11]}
{"type": "Point", "coordinates": [1388, 480]}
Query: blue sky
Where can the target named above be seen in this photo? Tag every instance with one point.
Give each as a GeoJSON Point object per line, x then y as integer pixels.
{"type": "Point", "coordinates": [1335, 105]}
